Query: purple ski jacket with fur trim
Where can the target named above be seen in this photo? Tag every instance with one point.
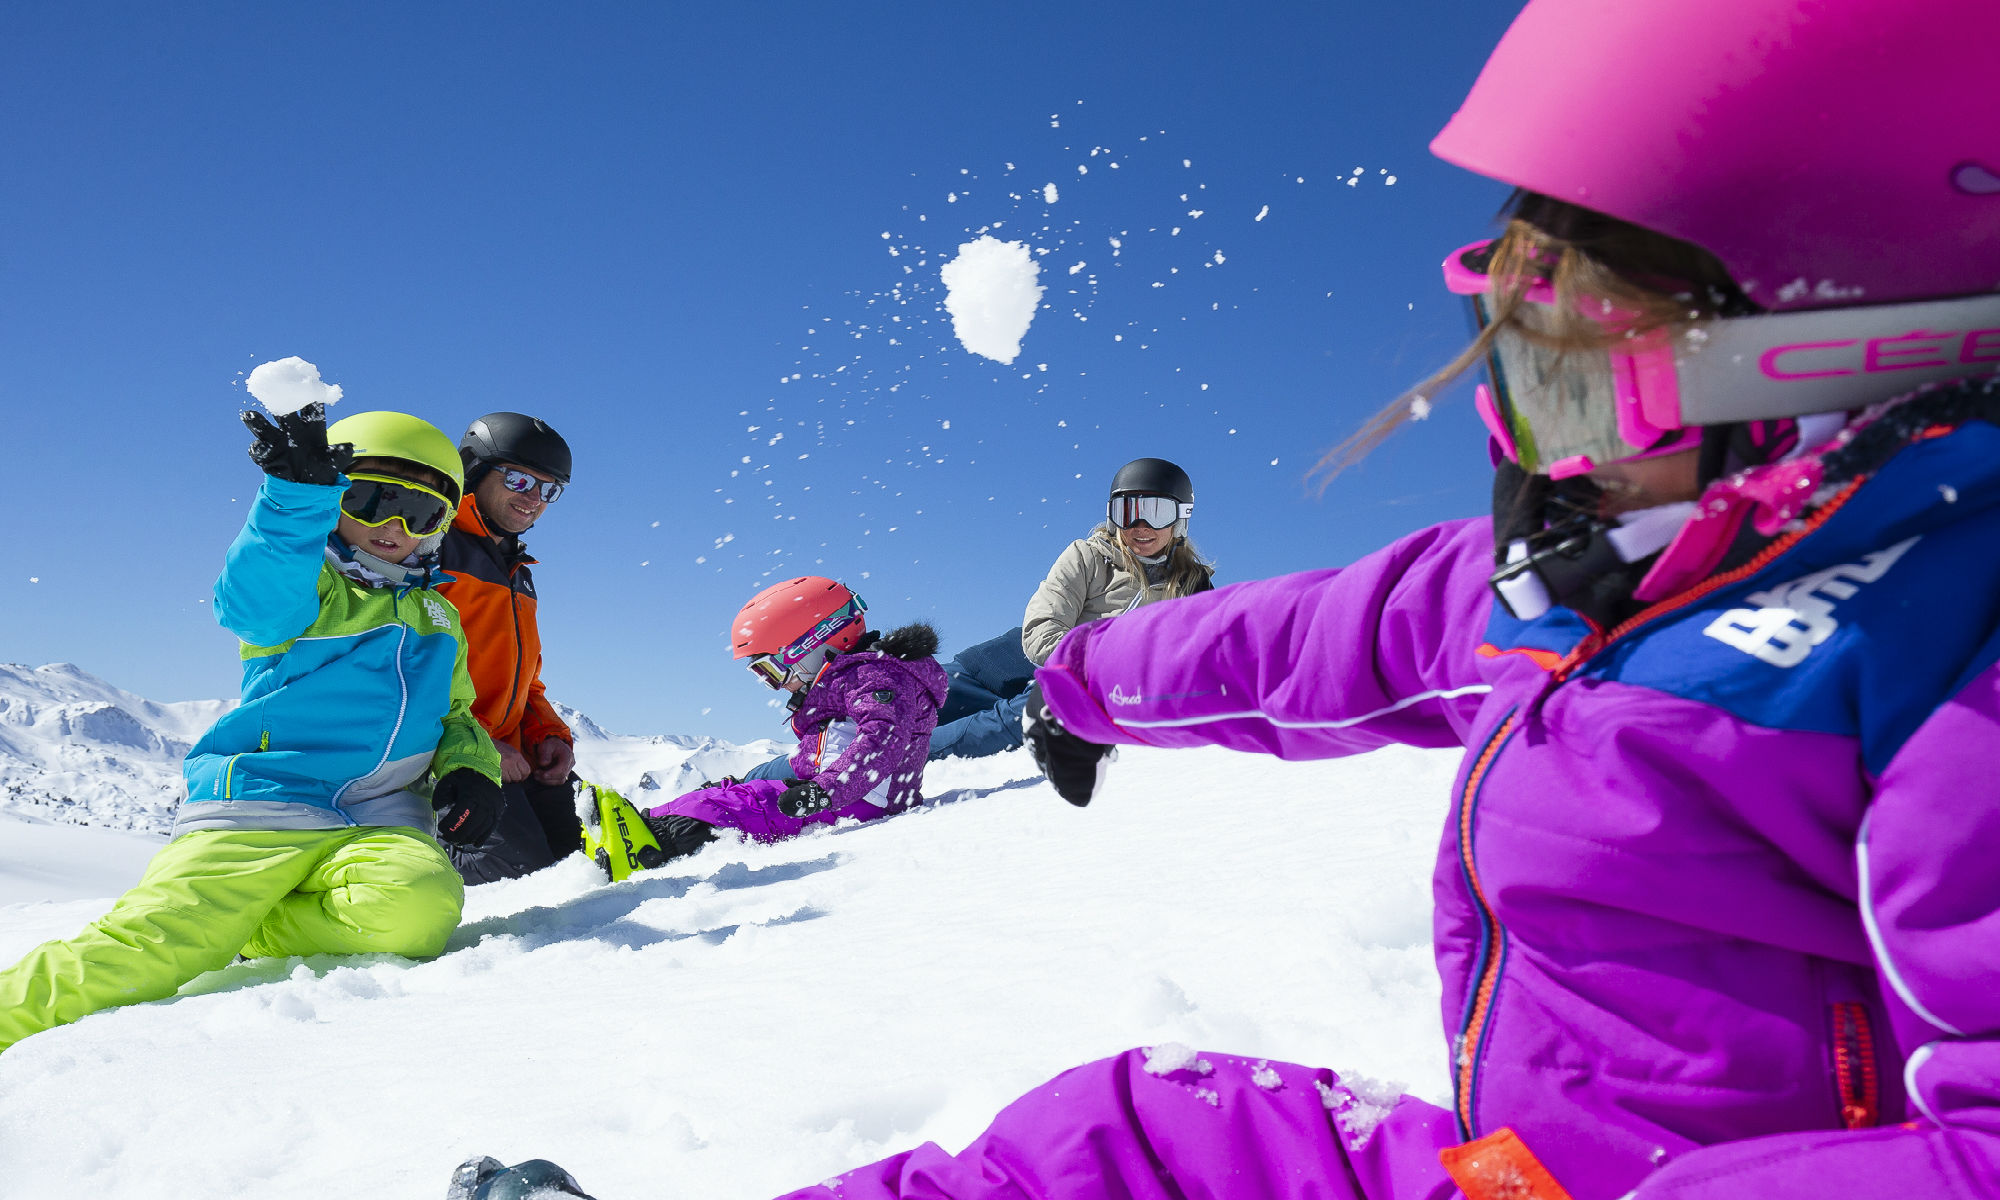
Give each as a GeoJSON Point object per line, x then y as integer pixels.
{"type": "Point", "coordinates": [1718, 902]}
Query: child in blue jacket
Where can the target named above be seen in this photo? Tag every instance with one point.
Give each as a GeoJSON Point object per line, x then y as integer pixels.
{"type": "Point", "coordinates": [314, 808]}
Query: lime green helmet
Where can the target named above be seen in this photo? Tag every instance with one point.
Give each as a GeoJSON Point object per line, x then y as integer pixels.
{"type": "Point", "coordinates": [401, 436]}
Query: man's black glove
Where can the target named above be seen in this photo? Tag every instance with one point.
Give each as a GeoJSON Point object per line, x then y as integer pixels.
{"type": "Point", "coordinates": [804, 799]}
{"type": "Point", "coordinates": [1074, 766]}
{"type": "Point", "coordinates": [725, 781]}
{"type": "Point", "coordinates": [468, 806]}
{"type": "Point", "coordinates": [295, 448]}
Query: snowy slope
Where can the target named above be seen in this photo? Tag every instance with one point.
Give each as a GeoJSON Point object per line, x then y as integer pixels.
{"type": "Point", "coordinates": [653, 769]}
{"type": "Point", "coordinates": [756, 1017]}
{"type": "Point", "coordinates": [75, 749]}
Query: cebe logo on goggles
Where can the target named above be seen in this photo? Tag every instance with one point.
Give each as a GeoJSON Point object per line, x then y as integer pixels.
{"type": "Point", "coordinates": [376, 500]}
{"type": "Point", "coordinates": [1563, 414]}
{"type": "Point", "coordinates": [775, 669]}
{"type": "Point", "coordinates": [1154, 512]}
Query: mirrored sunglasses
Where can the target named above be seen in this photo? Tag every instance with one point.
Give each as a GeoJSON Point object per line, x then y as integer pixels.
{"type": "Point", "coordinates": [376, 500]}
{"type": "Point", "coordinates": [1154, 512]}
{"type": "Point", "coordinates": [520, 482]}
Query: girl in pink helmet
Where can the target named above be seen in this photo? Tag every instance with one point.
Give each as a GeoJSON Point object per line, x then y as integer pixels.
{"type": "Point", "coordinates": [862, 704]}
{"type": "Point", "coordinates": [1717, 910]}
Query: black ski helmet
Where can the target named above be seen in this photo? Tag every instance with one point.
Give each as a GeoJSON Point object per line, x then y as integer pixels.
{"type": "Point", "coordinates": [1153, 477]}
{"type": "Point", "coordinates": [512, 437]}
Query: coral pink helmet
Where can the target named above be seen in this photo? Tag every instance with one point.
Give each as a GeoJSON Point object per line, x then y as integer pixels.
{"type": "Point", "coordinates": [1829, 152]}
{"type": "Point", "coordinates": [800, 615]}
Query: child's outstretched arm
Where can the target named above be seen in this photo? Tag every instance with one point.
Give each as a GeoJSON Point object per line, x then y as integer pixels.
{"type": "Point", "coordinates": [1314, 665]}
{"type": "Point", "coordinates": [268, 593]}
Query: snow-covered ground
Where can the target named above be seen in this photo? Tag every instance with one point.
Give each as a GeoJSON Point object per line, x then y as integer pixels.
{"type": "Point", "coordinates": [758, 1017]}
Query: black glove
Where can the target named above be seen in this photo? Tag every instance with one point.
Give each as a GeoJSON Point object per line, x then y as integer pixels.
{"type": "Point", "coordinates": [1074, 766]}
{"type": "Point", "coordinates": [725, 781]}
{"type": "Point", "coordinates": [677, 836]}
{"type": "Point", "coordinates": [295, 448]}
{"type": "Point", "coordinates": [468, 806]}
{"type": "Point", "coordinates": [804, 799]}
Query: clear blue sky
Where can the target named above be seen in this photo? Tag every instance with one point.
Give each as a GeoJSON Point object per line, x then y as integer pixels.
{"type": "Point", "coordinates": [636, 220]}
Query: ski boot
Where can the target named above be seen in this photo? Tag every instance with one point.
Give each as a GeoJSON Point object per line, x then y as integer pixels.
{"type": "Point", "coordinates": [484, 1178]}
{"type": "Point", "coordinates": [615, 836]}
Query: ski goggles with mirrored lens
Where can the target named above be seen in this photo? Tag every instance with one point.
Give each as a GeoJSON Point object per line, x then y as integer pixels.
{"type": "Point", "coordinates": [521, 483]}
{"type": "Point", "coordinates": [803, 657]}
{"type": "Point", "coordinates": [767, 668]}
{"type": "Point", "coordinates": [1562, 413]}
{"type": "Point", "coordinates": [1566, 413]}
{"type": "Point", "coordinates": [1154, 512]}
{"type": "Point", "coordinates": [376, 500]}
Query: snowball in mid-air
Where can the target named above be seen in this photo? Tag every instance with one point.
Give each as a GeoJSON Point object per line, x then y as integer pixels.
{"type": "Point", "coordinates": [991, 294]}
{"type": "Point", "coordinates": [288, 385]}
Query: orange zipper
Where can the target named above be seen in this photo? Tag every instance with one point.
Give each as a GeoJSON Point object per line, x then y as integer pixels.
{"type": "Point", "coordinates": [1489, 970]}
{"type": "Point", "coordinates": [1465, 1069]}
{"type": "Point", "coordinates": [1854, 1066]}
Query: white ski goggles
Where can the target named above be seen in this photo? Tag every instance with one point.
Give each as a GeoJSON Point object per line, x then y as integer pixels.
{"type": "Point", "coordinates": [1154, 512]}
{"type": "Point", "coordinates": [1560, 414]}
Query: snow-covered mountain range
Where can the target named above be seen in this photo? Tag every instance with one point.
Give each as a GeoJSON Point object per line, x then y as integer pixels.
{"type": "Point", "coordinates": [76, 750]}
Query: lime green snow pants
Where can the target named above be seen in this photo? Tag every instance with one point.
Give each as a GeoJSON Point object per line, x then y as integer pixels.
{"type": "Point", "coordinates": [264, 893]}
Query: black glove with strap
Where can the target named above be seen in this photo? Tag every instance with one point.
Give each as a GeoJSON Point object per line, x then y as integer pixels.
{"type": "Point", "coordinates": [295, 448]}
{"type": "Point", "coordinates": [468, 806]}
{"type": "Point", "coordinates": [804, 799]}
{"type": "Point", "coordinates": [1074, 766]}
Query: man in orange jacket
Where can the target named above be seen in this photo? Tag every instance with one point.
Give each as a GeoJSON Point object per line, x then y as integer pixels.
{"type": "Point", "coordinates": [515, 467]}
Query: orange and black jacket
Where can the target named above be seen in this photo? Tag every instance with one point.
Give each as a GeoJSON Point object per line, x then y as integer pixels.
{"type": "Point", "coordinates": [494, 593]}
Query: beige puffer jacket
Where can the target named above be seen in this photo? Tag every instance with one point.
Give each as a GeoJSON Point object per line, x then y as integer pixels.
{"type": "Point", "coordinates": [1088, 581]}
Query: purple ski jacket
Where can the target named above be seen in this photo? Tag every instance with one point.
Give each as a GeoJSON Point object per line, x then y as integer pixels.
{"type": "Point", "coordinates": [1718, 902]}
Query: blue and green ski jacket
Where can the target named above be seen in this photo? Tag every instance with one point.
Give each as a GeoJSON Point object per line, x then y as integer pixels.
{"type": "Point", "coordinates": [355, 694]}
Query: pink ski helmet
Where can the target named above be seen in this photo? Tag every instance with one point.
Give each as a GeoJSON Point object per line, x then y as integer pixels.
{"type": "Point", "coordinates": [1829, 152]}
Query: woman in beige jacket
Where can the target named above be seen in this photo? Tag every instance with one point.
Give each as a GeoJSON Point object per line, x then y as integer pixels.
{"type": "Point", "coordinates": [1140, 554]}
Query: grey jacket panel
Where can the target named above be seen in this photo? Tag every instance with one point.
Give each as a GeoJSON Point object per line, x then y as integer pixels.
{"type": "Point", "coordinates": [1088, 582]}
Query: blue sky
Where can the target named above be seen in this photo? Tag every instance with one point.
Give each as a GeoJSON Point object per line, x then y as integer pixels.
{"type": "Point", "coordinates": [641, 222]}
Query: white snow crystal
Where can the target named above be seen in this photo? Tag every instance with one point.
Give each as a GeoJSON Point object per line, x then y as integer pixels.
{"type": "Point", "coordinates": [1262, 213]}
{"type": "Point", "coordinates": [991, 294]}
{"type": "Point", "coordinates": [1207, 1096]}
{"type": "Point", "coordinates": [1420, 408]}
{"type": "Point", "coordinates": [1168, 1057]}
{"type": "Point", "coordinates": [288, 385]}
{"type": "Point", "coordinates": [1078, 267]}
{"type": "Point", "coordinates": [1949, 493]}
{"type": "Point", "coordinates": [1264, 1077]}
{"type": "Point", "coordinates": [1358, 1105]}
{"type": "Point", "coordinates": [1049, 194]}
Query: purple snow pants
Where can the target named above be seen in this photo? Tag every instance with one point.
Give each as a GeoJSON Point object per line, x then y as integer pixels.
{"type": "Point", "coordinates": [752, 806]}
{"type": "Point", "coordinates": [1222, 1128]}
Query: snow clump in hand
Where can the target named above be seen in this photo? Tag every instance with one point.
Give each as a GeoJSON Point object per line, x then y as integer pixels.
{"type": "Point", "coordinates": [1358, 1105]}
{"type": "Point", "coordinates": [288, 385]}
{"type": "Point", "coordinates": [991, 294]}
{"type": "Point", "coordinates": [1168, 1057]}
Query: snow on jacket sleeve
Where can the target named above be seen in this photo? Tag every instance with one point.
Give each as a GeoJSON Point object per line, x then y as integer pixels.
{"type": "Point", "coordinates": [464, 742]}
{"type": "Point", "coordinates": [1059, 603]}
{"type": "Point", "coordinates": [1930, 902]}
{"type": "Point", "coordinates": [268, 593]}
{"type": "Point", "coordinates": [1313, 665]}
{"type": "Point", "coordinates": [881, 702]}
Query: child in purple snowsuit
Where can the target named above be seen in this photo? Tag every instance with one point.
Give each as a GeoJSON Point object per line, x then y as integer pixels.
{"type": "Point", "coordinates": [863, 707]}
{"type": "Point", "coordinates": [1717, 905]}
{"type": "Point", "coordinates": [1718, 902]}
